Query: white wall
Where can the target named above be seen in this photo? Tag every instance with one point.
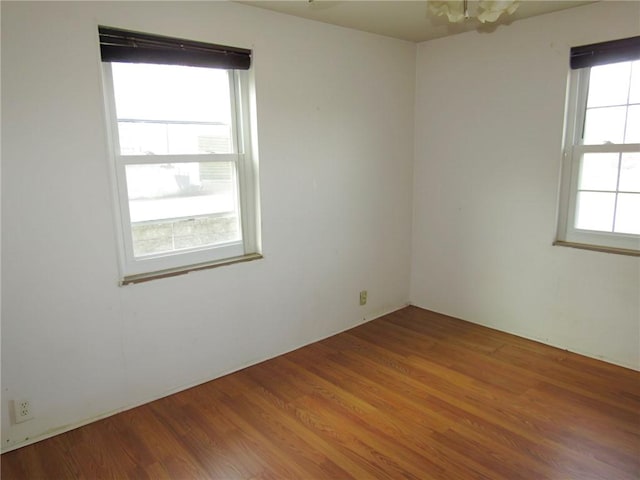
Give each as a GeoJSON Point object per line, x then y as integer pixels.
{"type": "Point", "coordinates": [335, 116]}
{"type": "Point", "coordinates": [336, 132]}
{"type": "Point", "coordinates": [489, 118]}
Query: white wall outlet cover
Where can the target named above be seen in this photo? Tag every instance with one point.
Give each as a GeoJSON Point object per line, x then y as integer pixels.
{"type": "Point", "coordinates": [22, 410]}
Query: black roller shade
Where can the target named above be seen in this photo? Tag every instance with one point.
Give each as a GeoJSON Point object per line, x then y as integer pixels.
{"type": "Point", "coordinates": [622, 50]}
{"type": "Point", "coordinates": [133, 47]}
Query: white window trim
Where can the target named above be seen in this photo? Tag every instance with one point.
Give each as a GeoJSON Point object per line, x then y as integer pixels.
{"type": "Point", "coordinates": [573, 149]}
{"type": "Point", "coordinates": [134, 270]}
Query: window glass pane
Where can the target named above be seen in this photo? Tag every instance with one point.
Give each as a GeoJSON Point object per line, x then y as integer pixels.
{"type": "Point", "coordinates": [604, 125]}
{"type": "Point", "coordinates": [142, 138]}
{"type": "Point", "coordinates": [633, 125]}
{"type": "Point", "coordinates": [172, 109]}
{"type": "Point", "coordinates": [634, 93]}
{"type": "Point", "coordinates": [182, 206]}
{"type": "Point", "coordinates": [609, 84]}
{"type": "Point", "coordinates": [594, 211]}
{"type": "Point", "coordinates": [630, 173]}
{"type": "Point", "coordinates": [599, 171]}
{"type": "Point", "coordinates": [628, 213]}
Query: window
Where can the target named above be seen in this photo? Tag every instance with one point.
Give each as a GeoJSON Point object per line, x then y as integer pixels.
{"type": "Point", "coordinates": [600, 205]}
{"type": "Point", "coordinates": [185, 179]}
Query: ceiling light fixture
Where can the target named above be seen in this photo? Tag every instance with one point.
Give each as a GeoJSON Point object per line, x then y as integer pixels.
{"type": "Point", "coordinates": [485, 10]}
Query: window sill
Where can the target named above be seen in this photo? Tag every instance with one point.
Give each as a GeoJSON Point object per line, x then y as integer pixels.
{"type": "Point", "coordinates": [598, 248]}
{"type": "Point", "coordinates": [172, 272]}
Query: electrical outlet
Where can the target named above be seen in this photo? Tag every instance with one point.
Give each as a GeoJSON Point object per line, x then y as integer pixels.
{"type": "Point", "coordinates": [22, 410]}
{"type": "Point", "coordinates": [363, 297]}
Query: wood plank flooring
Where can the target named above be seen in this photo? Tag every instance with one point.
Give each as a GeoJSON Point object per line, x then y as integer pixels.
{"type": "Point", "coordinates": [413, 395]}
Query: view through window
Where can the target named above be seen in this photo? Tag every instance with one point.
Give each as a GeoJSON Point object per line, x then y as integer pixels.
{"type": "Point", "coordinates": [600, 194]}
{"type": "Point", "coordinates": [608, 194]}
{"type": "Point", "coordinates": [183, 112]}
{"type": "Point", "coordinates": [185, 179]}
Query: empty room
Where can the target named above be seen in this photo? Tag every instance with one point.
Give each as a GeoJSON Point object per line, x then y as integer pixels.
{"type": "Point", "coordinates": [320, 239]}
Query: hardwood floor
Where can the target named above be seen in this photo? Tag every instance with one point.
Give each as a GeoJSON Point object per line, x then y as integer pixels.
{"type": "Point", "coordinates": [413, 394]}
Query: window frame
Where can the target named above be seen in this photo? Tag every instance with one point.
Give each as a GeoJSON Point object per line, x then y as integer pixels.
{"type": "Point", "coordinates": [136, 269]}
{"type": "Point", "coordinates": [572, 153]}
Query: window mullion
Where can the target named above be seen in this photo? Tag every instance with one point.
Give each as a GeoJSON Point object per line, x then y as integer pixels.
{"type": "Point", "coordinates": [120, 184]}
{"type": "Point", "coordinates": [246, 168]}
{"type": "Point", "coordinates": [156, 159]}
{"type": "Point", "coordinates": [608, 148]}
{"type": "Point", "coordinates": [626, 113]}
{"type": "Point", "coordinates": [582, 96]}
{"type": "Point", "coordinates": [615, 203]}
{"type": "Point", "coordinates": [234, 101]}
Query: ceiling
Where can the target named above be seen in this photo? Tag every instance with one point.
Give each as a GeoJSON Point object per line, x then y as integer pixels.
{"type": "Point", "coordinates": [407, 20]}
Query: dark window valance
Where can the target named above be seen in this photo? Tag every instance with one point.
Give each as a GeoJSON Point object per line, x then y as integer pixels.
{"type": "Point", "coordinates": [622, 50]}
{"type": "Point", "coordinates": [133, 47]}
